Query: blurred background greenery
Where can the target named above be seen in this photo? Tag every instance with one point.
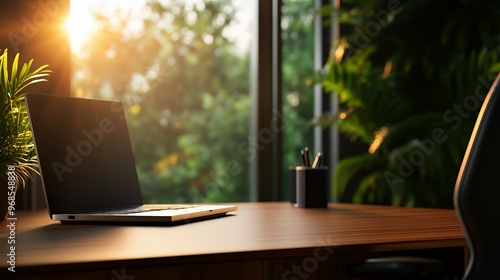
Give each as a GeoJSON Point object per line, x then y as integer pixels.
{"type": "Point", "coordinates": [183, 70]}
{"type": "Point", "coordinates": [411, 77]}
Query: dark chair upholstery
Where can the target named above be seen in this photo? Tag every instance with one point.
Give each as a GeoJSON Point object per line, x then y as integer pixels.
{"type": "Point", "coordinates": [477, 192]}
{"type": "Point", "coordinates": [477, 203]}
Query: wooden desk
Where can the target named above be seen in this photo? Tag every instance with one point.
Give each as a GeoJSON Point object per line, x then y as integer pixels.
{"type": "Point", "coordinates": [271, 240]}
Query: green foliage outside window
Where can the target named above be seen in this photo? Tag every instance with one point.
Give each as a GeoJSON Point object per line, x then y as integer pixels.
{"type": "Point", "coordinates": [187, 94]}
{"type": "Point", "coordinates": [297, 34]}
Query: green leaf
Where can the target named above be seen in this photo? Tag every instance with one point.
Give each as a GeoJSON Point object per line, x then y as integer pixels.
{"type": "Point", "coordinates": [347, 168]}
{"type": "Point", "coordinates": [16, 144]}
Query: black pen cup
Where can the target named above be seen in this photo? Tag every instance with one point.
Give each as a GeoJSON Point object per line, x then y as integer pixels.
{"type": "Point", "coordinates": [308, 186]}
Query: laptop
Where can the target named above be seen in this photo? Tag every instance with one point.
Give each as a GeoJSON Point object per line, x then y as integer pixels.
{"type": "Point", "coordinates": [87, 165]}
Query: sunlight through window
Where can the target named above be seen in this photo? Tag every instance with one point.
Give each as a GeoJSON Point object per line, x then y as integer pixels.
{"type": "Point", "coordinates": [181, 68]}
{"type": "Point", "coordinates": [82, 22]}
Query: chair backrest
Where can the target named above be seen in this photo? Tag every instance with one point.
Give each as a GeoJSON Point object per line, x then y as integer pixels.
{"type": "Point", "coordinates": [477, 191]}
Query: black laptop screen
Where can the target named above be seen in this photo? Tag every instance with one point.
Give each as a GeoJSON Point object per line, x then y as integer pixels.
{"type": "Point", "coordinates": [85, 154]}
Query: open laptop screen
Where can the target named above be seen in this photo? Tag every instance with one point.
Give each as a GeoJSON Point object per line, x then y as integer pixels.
{"type": "Point", "coordinates": [85, 154]}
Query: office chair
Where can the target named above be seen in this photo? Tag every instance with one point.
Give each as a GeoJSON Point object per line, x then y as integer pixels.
{"type": "Point", "coordinates": [477, 191]}
{"type": "Point", "coordinates": [477, 203]}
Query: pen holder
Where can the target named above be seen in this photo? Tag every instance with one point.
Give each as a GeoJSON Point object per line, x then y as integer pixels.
{"type": "Point", "coordinates": [308, 186]}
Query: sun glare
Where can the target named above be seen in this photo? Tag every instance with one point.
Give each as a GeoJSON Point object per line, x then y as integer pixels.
{"type": "Point", "coordinates": [80, 23]}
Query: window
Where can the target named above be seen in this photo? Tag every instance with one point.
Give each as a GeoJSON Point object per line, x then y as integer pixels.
{"type": "Point", "coordinates": [306, 43]}
{"type": "Point", "coordinates": [203, 128]}
{"type": "Point", "coordinates": [182, 68]}
{"type": "Point", "coordinates": [297, 35]}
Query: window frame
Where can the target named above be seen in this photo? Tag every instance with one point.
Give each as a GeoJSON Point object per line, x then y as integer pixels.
{"type": "Point", "coordinates": [266, 132]}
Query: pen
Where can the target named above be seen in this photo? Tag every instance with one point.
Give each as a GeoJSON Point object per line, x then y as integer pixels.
{"type": "Point", "coordinates": [317, 160]}
{"type": "Point", "coordinates": [306, 157]}
{"type": "Point", "coordinates": [303, 156]}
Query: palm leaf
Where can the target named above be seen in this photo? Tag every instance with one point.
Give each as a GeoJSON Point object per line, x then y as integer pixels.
{"type": "Point", "coordinates": [16, 144]}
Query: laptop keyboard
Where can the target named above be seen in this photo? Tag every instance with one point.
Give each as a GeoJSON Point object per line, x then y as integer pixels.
{"type": "Point", "coordinates": [142, 209]}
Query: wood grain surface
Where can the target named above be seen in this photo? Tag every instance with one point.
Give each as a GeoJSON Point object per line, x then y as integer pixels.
{"type": "Point", "coordinates": [257, 231]}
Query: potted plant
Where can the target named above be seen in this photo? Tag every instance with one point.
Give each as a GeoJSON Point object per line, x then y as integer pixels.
{"type": "Point", "coordinates": [17, 154]}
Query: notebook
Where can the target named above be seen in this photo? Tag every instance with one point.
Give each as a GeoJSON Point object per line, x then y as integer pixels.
{"type": "Point", "coordinates": [87, 165]}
